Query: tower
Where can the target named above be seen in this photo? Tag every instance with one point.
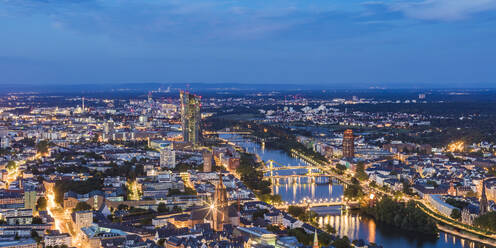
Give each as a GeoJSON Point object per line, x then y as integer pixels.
{"type": "Point", "coordinates": [483, 206]}
{"type": "Point", "coordinates": [82, 104]}
{"type": "Point", "coordinates": [190, 117]}
{"type": "Point", "coordinates": [207, 161]}
{"type": "Point", "coordinates": [348, 144]}
{"type": "Point", "coordinates": [452, 189]}
{"type": "Point", "coordinates": [315, 240]}
{"type": "Point", "coordinates": [220, 211]}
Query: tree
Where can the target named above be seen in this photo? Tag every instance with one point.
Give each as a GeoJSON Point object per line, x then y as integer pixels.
{"type": "Point", "coordinates": [330, 229]}
{"type": "Point", "coordinates": [273, 228]}
{"type": "Point", "coordinates": [11, 165]}
{"type": "Point", "coordinates": [41, 204]}
{"type": "Point", "coordinates": [406, 217]}
{"type": "Point", "coordinates": [35, 236]}
{"type": "Point", "coordinates": [82, 206]}
{"type": "Point", "coordinates": [161, 242]}
{"type": "Point", "coordinates": [373, 184]}
{"type": "Point", "coordinates": [260, 213]}
{"type": "Point", "coordinates": [353, 191]}
{"type": "Point", "coordinates": [486, 221]}
{"type": "Point", "coordinates": [162, 208]}
{"type": "Point", "coordinates": [296, 211]}
{"type": "Point", "coordinates": [343, 242]}
{"type": "Point", "coordinates": [37, 220]}
{"type": "Point", "coordinates": [341, 167]}
{"type": "Point", "coordinates": [360, 172]}
{"type": "Point", "coordinates": [42, 147]}
{"type": "Point", "coordinates": [95, 138]}
{"type": "Point", "coordinates": [301, 235]}
{"type": "Point", "coordinates": [123, 207]}
{"type": "Point", "coordinates": [456, 214]}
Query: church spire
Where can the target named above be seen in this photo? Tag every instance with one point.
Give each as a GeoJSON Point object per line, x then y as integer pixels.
{"type": "Point", "coordinates": [483, 200]}
{"type": "Point", "coordinates": [315, 240]}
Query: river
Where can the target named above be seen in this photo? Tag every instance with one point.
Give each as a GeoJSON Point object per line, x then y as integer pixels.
{"type": "Point", "coordinates": [352, 225]}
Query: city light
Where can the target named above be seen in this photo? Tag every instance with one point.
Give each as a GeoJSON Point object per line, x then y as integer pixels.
{"type": "Point", "coordinates": [458, 146]}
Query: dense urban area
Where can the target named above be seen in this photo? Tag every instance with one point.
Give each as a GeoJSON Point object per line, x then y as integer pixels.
{"type": "Point", "coordinates": [185, 168]}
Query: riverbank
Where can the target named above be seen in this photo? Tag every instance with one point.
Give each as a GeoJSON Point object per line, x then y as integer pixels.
{"type": "Point", "coordinates": [491, 242]}
{"type": "Point", "coordinates": [470, 234]}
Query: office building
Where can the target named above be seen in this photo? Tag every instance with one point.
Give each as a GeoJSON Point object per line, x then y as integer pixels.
{"type": "Point", "coordinates": [167, 157]}
{"type": "Point", "coordinates": [82, 219]}
{"type": "Point", "coordinates": [207, 161]}
{"type": "Point", "coordinates": [348, 144]}
{"type": "Point", "coordinates": [30, 198]}
{"type": "Point", "coordinates": [190, 117]}
{"type": "Point", "coordinates": [57, 239]}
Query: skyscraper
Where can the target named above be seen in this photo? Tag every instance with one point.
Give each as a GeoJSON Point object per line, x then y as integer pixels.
{"type": "Point", "coordinates": [348, 144]}
{"type": "Point", "coordinates": [190, 117]}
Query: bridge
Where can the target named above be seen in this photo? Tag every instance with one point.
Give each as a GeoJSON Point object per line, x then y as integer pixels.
{"type": "Point", "coordinates": [271, 167]}
{"type": "Point", "coordinates": [227, 132]}
{"type": "Point", "coordinates": [310, 172]}
{"type": "Point", "coordinates": [310, 203]}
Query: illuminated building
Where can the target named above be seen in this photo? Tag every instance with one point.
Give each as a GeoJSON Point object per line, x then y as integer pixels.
{"type": "Point", "coordinates": [190, 117]}
{"type": "Point", "coordinates": [207, 161]}
{"type": "Point", "coordinates": [167, 157]}
{"type": "Point", "coordinates": [220, 209]}
{"type": "Point", "coordinates": [348, 144]}
{"type": "Point", "coordinates": [83, 219]}
{"type": "Point", "coordinates": [30, 198]}
{"type": "Point", "coordinates": [315, 240]}
{"type": "Point", "coordinates": [57, 239]}
{"type": "Point", "coordinates": [108, 126]}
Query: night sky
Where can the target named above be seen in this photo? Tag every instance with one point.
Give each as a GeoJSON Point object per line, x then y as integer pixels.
{"type": "Point", "coordinates": [367, 43]}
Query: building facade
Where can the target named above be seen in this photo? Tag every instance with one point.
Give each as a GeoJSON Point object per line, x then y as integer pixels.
{"type": "Point", "coordinates": [348, 144]}
{"type": "Point", "coordinates": [220, 208]}
{"type": "Point", "coordinates": [190, 117]}
{"type": "Point", "coordinates": [167, 157]}
{"type": "Point", "coordinates": [208, 160]}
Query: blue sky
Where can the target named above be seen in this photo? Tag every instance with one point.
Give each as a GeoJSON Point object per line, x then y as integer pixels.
{"type": "Point", "coordinates": [360, 43]}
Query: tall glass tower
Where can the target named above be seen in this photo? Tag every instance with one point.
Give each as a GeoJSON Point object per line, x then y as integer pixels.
{"type": "Point", "coordinates": [190, 117]}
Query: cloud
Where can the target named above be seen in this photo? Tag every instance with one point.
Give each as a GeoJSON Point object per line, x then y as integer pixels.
{"type": "Point", "coordinates": [159, 20]}
{"type": "Point", "coordinates": [443, 10]}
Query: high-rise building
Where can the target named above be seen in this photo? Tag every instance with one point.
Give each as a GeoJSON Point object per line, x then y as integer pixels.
{"type": "Point", "coordinates": [167, 157]}
{"type": "Point", "coordinates": [190, 117]}
{"type": "Point", "coordinates": [348, 144]}
{"type": "Point", "coordinates": [4, 142]}
{"type": "Point", "coordinates": [30, 198]}
{"type": "Point", "coordinates": [108, 126]}
{"type": "Point", "coordinates": [207, 161]}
